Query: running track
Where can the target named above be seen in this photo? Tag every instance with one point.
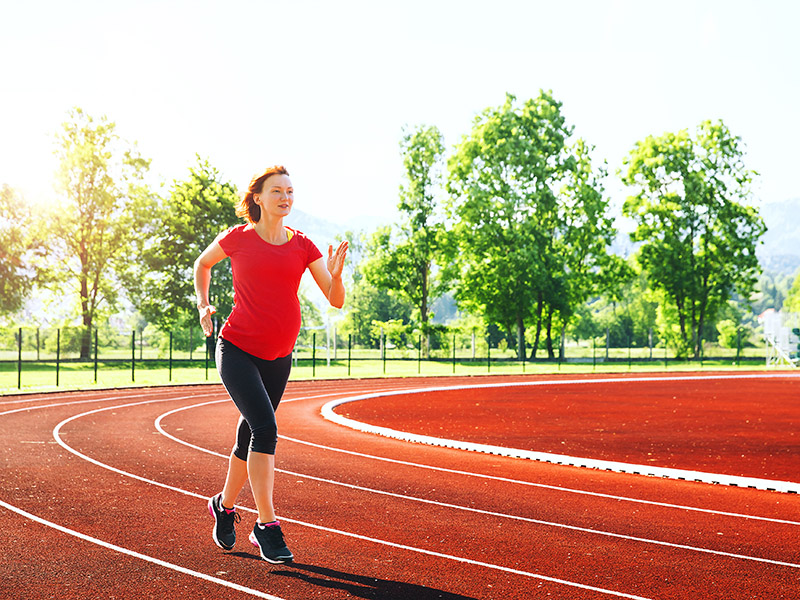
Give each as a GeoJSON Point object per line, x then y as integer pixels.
{"type": "Point", "coordinates": [103, 493]}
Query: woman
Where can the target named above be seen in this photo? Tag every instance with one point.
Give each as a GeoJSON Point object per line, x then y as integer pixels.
{"type": "Point", "coordinates": [255, 344]}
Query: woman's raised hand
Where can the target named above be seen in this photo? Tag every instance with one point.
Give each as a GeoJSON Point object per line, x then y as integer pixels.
{"type": "Point", "coordinates": [336, 260]}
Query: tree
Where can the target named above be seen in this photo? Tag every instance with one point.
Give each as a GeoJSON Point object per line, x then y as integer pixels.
{"type": "Point", "coordinates": [531, 221]}
{"type": "Point", "coordinates": [792, 302]}
{"type": "Point", "coordinates": [403, 258]}
{"type": "Point", "coordinates": [105, 200]}
{"type": "Point", "coordinates": [366, 303]}
{"type": "Point", "coordinates": [697, 232]}
{"type": "Point", "coordinates": [196, 211]}
{"type": "Point", "coordinates": [20, 248]}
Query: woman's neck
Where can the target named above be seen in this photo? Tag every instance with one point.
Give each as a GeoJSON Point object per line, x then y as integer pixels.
{"type": "Point", "coordinates": [271, 230]}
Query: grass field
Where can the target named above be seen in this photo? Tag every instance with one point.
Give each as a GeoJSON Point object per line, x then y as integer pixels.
{"type": "Point", "coordinates": [73, 375]}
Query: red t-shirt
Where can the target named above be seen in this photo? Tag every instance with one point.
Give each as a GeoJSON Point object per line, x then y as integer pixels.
{"type": "Point", "coordinates": [265, 319]}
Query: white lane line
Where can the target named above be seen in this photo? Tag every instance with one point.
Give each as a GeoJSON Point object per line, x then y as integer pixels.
{"type": "Point", "coordinates": [57, 436]}
{"type": "Point", "coordinates": [161, 430]}
{"type": "Point", "coordinates": [134, 554]}
{"type": "Point", "coordinates": [483, 476]}
{"type": "Point", "coordinates": [93, 400]}
{"type": "Point", "coordinates": [329, 413]}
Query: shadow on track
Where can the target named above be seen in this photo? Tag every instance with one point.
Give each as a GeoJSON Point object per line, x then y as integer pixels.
{"type": "Point", "coordinates": [364, 587]}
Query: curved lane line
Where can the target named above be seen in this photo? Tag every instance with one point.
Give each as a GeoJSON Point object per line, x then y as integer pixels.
{"type": "Point", "coordinates": [134, 554]}
{"type": "Point", "coordinates": [475, 510]}
{"type": "Point", "coordinates": [478, 475]}
{"type": "Point", "coordinates": [329, 413]}
{"type": "Point", "coordinates": [63, 444]}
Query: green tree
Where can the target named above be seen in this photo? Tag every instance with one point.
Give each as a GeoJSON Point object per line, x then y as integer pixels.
{"type": "Point", "coordinates": [792, 302]}
{"type": "Point", "coordinates": [21, 250]}
{"type": "Point", "coordinates": [403, 258]}
{"type": "Point", "coordinates": [101, 180]}
{"type": "Point", "coordinates": [697, 232]}
{"type": "Point", "coordinates": [366, 303]}
{"type": "Point", "coordinates": [195, 212]}
{"type": "Point", "coordinates": [531, 221]}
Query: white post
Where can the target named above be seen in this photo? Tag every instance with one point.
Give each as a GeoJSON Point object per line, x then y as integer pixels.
{"type": "Point", "coordinates": [328, 341]}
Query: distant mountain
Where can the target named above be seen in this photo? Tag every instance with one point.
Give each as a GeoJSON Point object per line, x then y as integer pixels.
{"type": "Point", "coordinates": [323, 232]}
{"type": "Point", "coordinates": [780, 252]}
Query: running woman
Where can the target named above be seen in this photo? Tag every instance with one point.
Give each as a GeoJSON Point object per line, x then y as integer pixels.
{"type": "Point", "coordinates": [254, 347]}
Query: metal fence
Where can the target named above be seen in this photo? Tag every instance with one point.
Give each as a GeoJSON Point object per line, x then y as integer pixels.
{"type": "Point", "coordinates": [47, 352]}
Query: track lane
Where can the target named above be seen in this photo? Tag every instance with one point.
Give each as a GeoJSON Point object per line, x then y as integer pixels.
{"type": "Point", "coordinates": [319, 577]}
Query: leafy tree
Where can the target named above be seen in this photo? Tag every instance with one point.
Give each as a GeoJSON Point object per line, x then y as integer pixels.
{"type": "Point", "coordinates": [627, 313]}
{"type": "Point", "coordinates": [403, 258]}
{"type": "Point", "coordinates": [698, 234]}
{"type": "Point", "coordinates": [792, 302]}
{"type": "Point", "coordinates": [365, 303]}
{"type": "Point", "coordinates": [21, 249]}
{"type": "Point", "coordinates": [196, 211]}
{"type": "Point", "coordinates": [531, 221]}
{"type": "Point", "coordinates": [105, 200]}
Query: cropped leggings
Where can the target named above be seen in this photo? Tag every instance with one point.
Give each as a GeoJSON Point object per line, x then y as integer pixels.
{"type": "Point", "coordinates": [256, 386]}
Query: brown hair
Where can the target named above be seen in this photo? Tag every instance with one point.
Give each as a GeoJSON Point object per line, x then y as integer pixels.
{"type": "Point", "coordinates": [247, 208]}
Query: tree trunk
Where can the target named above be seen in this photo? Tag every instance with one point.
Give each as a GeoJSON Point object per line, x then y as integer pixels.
{"type": "Point", "coordinates": [539, 306]}
{"type": "Point", "coordinates": [520, 337]}
{"type": "Point", "coordinates": [550, 353]}
{"type": "Point", "coordinates": [87, 320]}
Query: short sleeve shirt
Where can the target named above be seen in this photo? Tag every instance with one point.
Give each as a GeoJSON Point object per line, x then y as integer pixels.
{"type": "Point", "coordinates": [265, 319]}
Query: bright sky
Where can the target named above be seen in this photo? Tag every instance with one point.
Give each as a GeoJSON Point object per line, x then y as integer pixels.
{"type": "Point", "coordinates": [326, 87]}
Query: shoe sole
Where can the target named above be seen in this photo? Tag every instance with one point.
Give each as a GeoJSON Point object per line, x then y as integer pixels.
{"type": "Point", "coordinates": [280, 560]}
{"type": "Point", "coordinates": [214, 531]}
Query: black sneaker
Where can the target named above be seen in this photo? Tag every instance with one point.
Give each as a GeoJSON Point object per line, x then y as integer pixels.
{"type": "Point", "coordinates": [269, 540]}
{"type": "Point", "coordinates": [224, 534]}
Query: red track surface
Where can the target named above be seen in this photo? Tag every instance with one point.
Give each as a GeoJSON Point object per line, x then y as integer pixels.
{"type": "Point", "coordinates": [386, 519]}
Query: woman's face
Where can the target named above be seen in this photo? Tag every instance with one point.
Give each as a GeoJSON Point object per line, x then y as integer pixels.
{"type": "Point", "coordinates": [276, 197]}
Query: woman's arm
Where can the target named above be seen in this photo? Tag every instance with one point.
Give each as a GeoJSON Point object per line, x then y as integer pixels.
{"type": "Point", "coordinates": [202, 280]}
{"type": "Point", "coordinates": [329, 277]}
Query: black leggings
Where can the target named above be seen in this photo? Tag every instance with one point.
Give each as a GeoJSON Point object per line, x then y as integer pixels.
{"type": "Point", "coordinates": [256, 386]}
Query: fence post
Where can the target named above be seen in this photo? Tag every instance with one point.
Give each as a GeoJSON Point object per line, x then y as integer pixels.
{"type": "Point", "coordinates": [349, 346]}
{"type": "Point", "coordinates": [701, 350]}
{"type": "Point", "coordinates": [488, 356]}
{"type": "Point", "coordinates": [170, 355]}
{"type": "Point", "coordinates": [629, 353]}
{"type": "Point", "coordinates": [314, 354]}
{"type": "Point", "coordinates": [454, 353]}
{"type": "Point", "coordinates": [560, 347]}
{"type": "Point", "coordinates": [133, 356]}
{"type": "Point", "coordinates": [607, 343]}
{"type": "Point", "coordinates": [191, 341]}
{"type": "Point", "coordinates": [419, 355]}
{"type": "Point", "coordinates": [19, 359]}
{"type": "Point", "coordinates": [738, 345]}
{"type": "Point", "coordinates": [37, 344]}
{"type": "Point", "coordinates": [58, 353]}
{"type": "Point", "coordinates": [208, 344]}
{"type": "Point", "coordinates": [383, 345]}
{"type": "Point", "coordinates": [665, 352]}
{"type": "Point", "coordinates": [594, 353]}
{"type": "Point", "coordinates": [95, 354]}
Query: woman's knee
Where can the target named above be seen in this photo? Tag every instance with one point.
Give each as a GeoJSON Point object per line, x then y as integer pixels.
{"type": "Point", "coordinates": [264, 439]}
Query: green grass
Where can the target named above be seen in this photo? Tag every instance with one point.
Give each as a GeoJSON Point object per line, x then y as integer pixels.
{"type": "Point", "coordinates": [37, 377]}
